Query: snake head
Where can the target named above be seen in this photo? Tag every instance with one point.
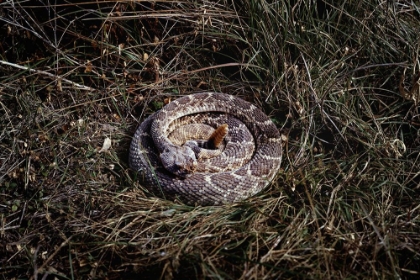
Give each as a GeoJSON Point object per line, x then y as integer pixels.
{"type": "Point", "coordinates": [180, 161]}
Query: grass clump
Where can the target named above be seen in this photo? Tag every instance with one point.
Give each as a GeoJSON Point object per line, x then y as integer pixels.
{"type": "Point", "coordinates": [339, 78]}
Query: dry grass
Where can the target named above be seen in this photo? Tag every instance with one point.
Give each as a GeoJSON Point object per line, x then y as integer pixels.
{"type": "Point", "coordinates": [339, 79]}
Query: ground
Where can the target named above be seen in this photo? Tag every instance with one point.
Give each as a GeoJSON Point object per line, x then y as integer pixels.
{"type": "Point", "coordinates": [340, 79]}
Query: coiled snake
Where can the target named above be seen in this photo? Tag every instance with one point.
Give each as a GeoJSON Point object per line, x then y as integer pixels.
{"type": "Point", "coordinates": [169, 150]}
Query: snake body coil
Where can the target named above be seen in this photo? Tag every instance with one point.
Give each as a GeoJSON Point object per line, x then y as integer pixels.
{"type": "Point", "coordinates": [165, 153]}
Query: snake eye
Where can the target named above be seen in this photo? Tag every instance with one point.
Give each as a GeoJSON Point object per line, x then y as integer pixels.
{"type": "Point", "coordinates": [186, 168]}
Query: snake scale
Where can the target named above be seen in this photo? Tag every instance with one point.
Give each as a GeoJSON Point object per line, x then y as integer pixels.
{"type": "Point", "coordinates": [168, 153]}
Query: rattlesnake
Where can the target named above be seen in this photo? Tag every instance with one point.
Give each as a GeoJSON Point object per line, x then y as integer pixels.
{"type": "Point", "coordinates": [252, 141]}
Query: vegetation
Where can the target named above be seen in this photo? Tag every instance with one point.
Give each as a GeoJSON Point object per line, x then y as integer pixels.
{"type": "Point", "coordinates": [339, 78]}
